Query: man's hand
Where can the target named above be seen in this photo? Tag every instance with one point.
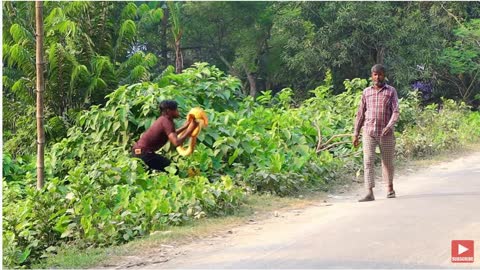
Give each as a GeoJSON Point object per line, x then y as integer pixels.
{"type": "Point", "coordinates": [193, 125]}
{"type": "Point", "coordinates": [355, 141]}
{"type": "Point", "coordinates": [386, 131]}
{"type": "Point", "coordinates": [185, 125]}
{"type": "Point", "coordinates": [178, 140]}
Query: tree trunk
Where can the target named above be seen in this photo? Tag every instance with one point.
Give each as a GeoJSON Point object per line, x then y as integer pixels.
{"type": "Point", "coordinates": [233, 71]}
{"type": "Point", "coordinates": [178, 56]}
{"type": "Point", "coordinates": [469, 89]}
{"type": "Point", "coordinates": [177, 32]}
{"type": "Point", "coordinates": [252, 83]}
{"type": "Point", "coordinates": [268, 84]}
{"type": "Point", "coordinates": [40, 90]}
{"type": "Point", "coordinates": [164, 37]}
{"type": "Point", "coordinates": [380, 55]}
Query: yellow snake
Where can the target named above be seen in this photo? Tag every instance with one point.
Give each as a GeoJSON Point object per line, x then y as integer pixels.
{"type": "Point", "coordinates": [199, 115]}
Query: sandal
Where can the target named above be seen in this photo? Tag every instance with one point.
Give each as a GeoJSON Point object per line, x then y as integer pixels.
{"type": "Point", "coordinates": [367, 198]}
{"type": "Point", "coordinates": [391, 194]}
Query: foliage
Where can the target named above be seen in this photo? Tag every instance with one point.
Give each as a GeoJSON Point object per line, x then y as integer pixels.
{"type": "Point", "coordinates": [236, 38]}
{"type": "Point", "coordinates": [87, 55]}
{"type": "Point", "coordinates": [294, 44]}
{"type": "Point", "coordinates": [268, 45]}
{"type": "Point", "coordinates": [96, 194]}
{"type": "Point", "coordinates": [436, 128]}
{"type": "Point", "coordinates": [463, 59]}
{"type": "Point", "coordinates": [108, 66]}
{"type": "Point", "coordinates": [92, 48]}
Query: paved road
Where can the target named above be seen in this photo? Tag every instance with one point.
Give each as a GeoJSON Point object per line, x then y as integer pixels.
{"type": "Point", "coordinates": [433, 207]}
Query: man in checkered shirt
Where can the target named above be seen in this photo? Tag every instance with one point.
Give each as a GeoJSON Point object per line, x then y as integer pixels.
{"type": "Point", "coordinates": [377, 114]}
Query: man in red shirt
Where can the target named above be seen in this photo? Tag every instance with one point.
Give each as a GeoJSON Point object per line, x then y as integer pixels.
{"type": "Point", "coordinates": [162, 131]}
{"type": "Point", "coordinates": [377, 114]}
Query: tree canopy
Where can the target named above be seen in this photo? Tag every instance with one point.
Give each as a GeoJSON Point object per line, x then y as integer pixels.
{"type": "Point", "coordinates": [92, 48]}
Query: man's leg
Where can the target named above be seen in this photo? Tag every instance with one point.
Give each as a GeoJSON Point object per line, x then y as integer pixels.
{"type": "Point", "coordinates": [387, 149]}
{"type": "Point", "coordinates": [156, 162]}
{"type": "Point", "coordinates": [369, 144]}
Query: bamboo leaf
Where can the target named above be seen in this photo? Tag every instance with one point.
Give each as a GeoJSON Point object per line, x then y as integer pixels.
{"type": "Point", "coordinates": [127, 32]}
{"type": "Point", "coordinates": [79, 72]}
{"type": "Point", "coordinates": [129, 12]}
{"type": "Point", "coordinates": [20, 34]}
{"type": "Point", "coordinates": [157, 15]}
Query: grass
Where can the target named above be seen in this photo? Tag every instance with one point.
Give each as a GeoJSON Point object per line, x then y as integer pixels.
{"type": "Point", "coordinates": [255, 206]}
{"type": "Point", "coordinates": [258, 206]}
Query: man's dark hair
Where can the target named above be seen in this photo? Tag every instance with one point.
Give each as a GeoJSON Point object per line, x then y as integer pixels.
{"type": "Point", "coordinates": [378, 68]}
{"type": "Point", "coordinates": [167, 105]}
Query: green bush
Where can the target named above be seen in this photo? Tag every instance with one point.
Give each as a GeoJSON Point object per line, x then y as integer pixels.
{"type": "Point", "coordinates": [436, 129]}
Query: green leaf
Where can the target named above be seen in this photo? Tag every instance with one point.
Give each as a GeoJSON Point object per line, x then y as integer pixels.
{"type": "Point", "coordinates": [234, 156]}
{"type": "Point", "coordinates": [66, 233]}
{"type": "Point", "coordinates": [157, 15]}
{"type": "Point", "coordinates": [116, 126]}
{"type": "Point", "coordinates": [128, 30]}
{"type": "Point", "coordinates": [130, 11]}
{"type": "Point", "coordinates": [19, 33]}
{"type": "Point", "coordinates": [24, 255]}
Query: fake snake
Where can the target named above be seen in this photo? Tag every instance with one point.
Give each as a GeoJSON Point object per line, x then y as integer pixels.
{"type": "Point", "coordinates": [197, 114]}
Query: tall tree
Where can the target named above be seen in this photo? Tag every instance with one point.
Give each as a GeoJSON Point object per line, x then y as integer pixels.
{"type": "Point", "coordinates": [164, 36]}
{"type": "Point", "coordinates": [463, 60]}
{"type": "Point", "coordinates": [177, 31]}
{"type": "Point", "coordinates": [40, 89]}
{"type": "Point", "coordinates": [235, 35]}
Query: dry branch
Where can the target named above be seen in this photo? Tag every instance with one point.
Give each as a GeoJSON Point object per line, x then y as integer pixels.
{"type": "Point", "coordinates": [328, 144]}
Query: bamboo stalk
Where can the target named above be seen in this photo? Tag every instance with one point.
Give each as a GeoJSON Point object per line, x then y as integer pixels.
{"type": "Point", "coordinates": [40, 91]}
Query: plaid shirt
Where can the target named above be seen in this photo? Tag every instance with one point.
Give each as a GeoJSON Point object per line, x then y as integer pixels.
{"type": "Point", "coordinates": [377, 110]}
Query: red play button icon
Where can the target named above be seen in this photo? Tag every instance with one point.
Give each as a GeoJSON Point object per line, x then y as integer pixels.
{"type": "Point", "coordinates": [462, 251]}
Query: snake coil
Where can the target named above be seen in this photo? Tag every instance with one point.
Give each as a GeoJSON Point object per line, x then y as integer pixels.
{"type": "Point", "coordinates": [197, 114]}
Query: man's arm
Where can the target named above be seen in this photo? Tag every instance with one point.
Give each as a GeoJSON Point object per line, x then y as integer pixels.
{"type": "Point", "coordinates": [177, 141]}
{"type": "Point", "coordinates": [184, 127]}
{"type": "Point", "coordinates": [395, 114]}
{"type": "Point", "coordinates": [360, 118]}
